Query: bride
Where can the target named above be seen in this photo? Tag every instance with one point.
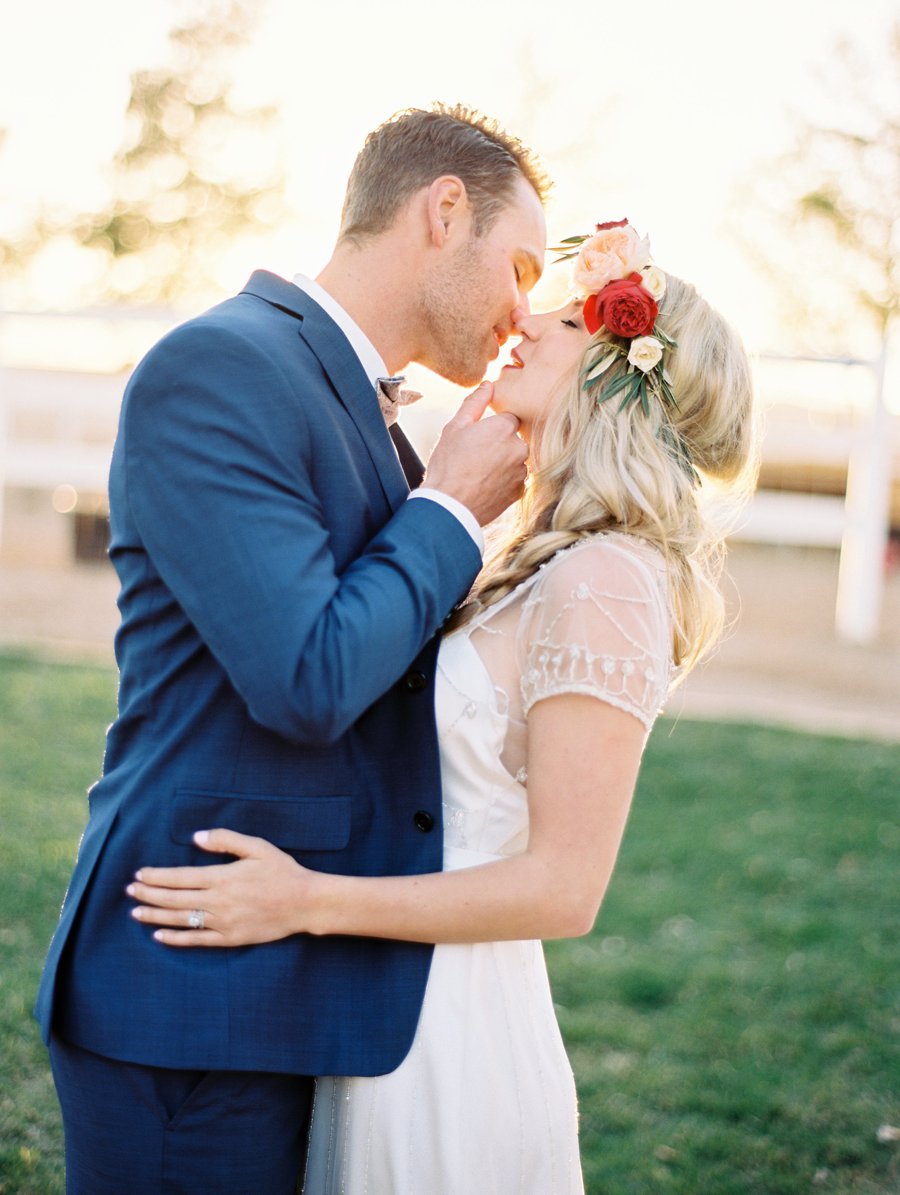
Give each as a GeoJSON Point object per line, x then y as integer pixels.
{"type": "Point", "coordinates": [636, 399]}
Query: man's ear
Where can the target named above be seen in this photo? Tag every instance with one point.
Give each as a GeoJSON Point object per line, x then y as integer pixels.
{"type": "Point", "coordinates": [448, 209]}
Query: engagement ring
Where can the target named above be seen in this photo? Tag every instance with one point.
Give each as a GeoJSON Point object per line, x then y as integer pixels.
{"type": "Point", "coordinates": [196, 919]}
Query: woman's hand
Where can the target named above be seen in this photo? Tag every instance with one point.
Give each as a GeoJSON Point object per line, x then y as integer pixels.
{"type": "Point", "coordinates": [259, 898]}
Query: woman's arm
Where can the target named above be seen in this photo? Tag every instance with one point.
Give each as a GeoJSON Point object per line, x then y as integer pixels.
{"type": "Point", "coordinates": [583, 760]}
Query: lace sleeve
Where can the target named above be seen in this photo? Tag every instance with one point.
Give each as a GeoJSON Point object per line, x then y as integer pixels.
{"type": "Point", "coordinates": [597, 622]}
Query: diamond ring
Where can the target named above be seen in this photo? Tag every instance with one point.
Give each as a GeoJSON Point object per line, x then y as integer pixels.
{"type": "Point", "coordinates": [196, 919]}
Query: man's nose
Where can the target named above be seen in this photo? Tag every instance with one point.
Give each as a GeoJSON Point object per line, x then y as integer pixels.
{"type": "Point", "coordinates": [524, 323]}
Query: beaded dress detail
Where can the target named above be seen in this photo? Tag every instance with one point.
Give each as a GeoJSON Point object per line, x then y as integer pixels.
{"type": "Point", "coordinates": [484, 1103]}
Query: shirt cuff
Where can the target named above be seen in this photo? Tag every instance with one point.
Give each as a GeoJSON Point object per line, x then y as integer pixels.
{"type": "Point", "coordinates": [456, 508]}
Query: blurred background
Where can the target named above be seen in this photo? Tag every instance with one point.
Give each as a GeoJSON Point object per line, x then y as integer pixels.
{"type": "Point", "coordinates": [152, 155]}
{"type": "Point", "coordinates": [732, 1020]}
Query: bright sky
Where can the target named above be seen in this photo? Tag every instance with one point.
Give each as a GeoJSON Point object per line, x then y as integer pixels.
{"type": "Point", "coordinates": [659, 111]}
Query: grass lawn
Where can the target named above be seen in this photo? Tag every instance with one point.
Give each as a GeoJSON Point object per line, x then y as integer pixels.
{"type": "Point", "coordinates": [730, 1020]}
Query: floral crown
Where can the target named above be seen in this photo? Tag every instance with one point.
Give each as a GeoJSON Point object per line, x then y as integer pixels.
{"type": "Point", "coordinates": [622, 292]}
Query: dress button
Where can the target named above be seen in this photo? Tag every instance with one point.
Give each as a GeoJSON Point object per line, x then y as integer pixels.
{"type": "Point", "coordinates": [415, 681]}
{"type": "Point", "coordinates": [423, 821]}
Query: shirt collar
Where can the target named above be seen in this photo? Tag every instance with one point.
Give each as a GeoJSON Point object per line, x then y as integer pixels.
{"type": "Point", "coordinates": [368, 355]}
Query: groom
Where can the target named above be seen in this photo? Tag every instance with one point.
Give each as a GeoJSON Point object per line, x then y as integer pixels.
{"type": "Point", "coordinates": [281, 593]}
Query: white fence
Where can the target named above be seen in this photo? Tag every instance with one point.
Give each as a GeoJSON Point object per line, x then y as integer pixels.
{"type": "Point", "coordinates": [59, 408]}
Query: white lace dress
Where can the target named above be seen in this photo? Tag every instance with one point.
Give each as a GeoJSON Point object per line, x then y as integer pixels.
{"type": "Point", "coordinates": [484, 1103]}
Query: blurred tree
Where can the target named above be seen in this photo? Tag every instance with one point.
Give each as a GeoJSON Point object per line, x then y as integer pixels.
{"type": "Point", "coordinates": [827, 214]}
{"type": "Point", "coordinates": [857, 194]}
{"type": "Point", "coordinates": [196, 169]}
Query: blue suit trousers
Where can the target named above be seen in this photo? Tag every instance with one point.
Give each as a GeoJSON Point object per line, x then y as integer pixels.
{"type": "Point", "coordinates": [146, 1130]}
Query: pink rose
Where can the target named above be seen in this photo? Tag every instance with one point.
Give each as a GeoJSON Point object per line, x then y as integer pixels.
{"type": "Point", "coordinates": [610, 254]}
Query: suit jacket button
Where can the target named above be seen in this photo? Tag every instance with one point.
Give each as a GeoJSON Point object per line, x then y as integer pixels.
{"type": "Point", "coordinates": [415, 681]}
{"type": "Point", "coordinates": [423, 821]}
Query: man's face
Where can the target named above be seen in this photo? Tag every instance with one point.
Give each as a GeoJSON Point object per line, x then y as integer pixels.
{"type": "Point", "coordinates": [471, 304]}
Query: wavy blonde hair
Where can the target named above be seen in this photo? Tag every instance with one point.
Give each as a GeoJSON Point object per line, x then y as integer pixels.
{"type": "Point", "coordinates": [606, 469]}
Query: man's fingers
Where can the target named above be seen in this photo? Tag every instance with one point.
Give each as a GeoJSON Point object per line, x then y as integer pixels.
{"type": "Point", "coordinates": [480, 462]}
{"type": "Point", "coordinates": [475, 404]}
{"type": "Point", "coordinates": [508, 417]}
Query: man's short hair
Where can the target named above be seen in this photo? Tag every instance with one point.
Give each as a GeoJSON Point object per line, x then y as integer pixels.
{"type": "Point", "coordinates": [416, 146]}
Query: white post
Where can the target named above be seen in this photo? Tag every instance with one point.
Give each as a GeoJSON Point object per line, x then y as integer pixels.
{"type": "Point", "coordinates": [4, 422]}
{"type": "Point", "coordinates": [861, 574]}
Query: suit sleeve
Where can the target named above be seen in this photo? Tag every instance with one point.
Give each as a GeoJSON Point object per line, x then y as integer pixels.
{"type": "Point", "coordinates": [219, 477]}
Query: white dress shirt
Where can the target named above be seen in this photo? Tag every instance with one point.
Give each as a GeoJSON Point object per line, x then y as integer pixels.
{"type": "Point", "coordinates": [370, 360]}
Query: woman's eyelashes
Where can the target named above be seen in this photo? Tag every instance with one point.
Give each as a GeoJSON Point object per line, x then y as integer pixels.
{"type": "Point", "coordinates": [570, 323]}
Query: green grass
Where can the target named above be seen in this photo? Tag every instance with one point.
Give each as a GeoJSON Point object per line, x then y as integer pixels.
{"type": "Point", "coordinates": [730, 1020]}
{"type": "Point", "coordinates": [52, 719]}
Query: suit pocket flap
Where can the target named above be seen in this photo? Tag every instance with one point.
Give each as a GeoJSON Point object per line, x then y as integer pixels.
{"type": "Point", "coordinates": [293, 823]}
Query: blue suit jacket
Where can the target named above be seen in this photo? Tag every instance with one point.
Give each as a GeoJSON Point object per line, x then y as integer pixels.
{"type": "Point", "coordinates": [280, 601]}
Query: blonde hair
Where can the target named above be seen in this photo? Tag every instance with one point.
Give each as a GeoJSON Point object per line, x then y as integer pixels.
{"type": "Point", "coordinates": [607, 469]}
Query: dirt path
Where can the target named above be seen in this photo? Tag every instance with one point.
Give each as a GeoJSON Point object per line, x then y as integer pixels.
{"type": "Point", "coordinates": [782, 662]}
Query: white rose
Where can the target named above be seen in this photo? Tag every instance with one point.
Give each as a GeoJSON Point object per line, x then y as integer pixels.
{"type": "Point", "coordinates": [654, 281]}
{"type": "Point", "coordinates": [645, 353]}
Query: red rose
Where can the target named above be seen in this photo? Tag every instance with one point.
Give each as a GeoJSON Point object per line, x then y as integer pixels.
{"type": "Point", "coordinates": [624, 307]}
{"type": "Point", "coordinates": [611, 224]}
{"type": "Point", "coordinates": [589, 314]}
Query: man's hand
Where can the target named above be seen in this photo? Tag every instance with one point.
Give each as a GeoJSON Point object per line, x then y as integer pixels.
{"type": "Point", "coordinates": [480, 462]}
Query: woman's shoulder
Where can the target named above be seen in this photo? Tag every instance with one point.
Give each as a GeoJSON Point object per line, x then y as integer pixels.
{"type": "Point", "coordinates": [598, 566]}
{"type": "Point", "coordinates": [598, 623]}
{"type": "Point", "coordinates": [613, 561]}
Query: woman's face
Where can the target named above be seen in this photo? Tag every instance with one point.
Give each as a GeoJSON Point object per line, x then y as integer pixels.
{"type": "Point", "coordinates": [542, 365]}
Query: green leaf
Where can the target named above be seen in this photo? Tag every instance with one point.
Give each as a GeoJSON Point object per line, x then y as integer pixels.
{"type": "Point", "coordinates": [631, 395]}
{"type": "Point", "coordinates": [626, 402]}
{"type": "Point", "coordinates": [618, 384]}
{"type": "Point", "coordinates": [595, 371]}
{"type": "Point", "coordinates": [679, 451]}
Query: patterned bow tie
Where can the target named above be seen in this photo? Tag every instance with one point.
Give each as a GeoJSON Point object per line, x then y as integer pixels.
{"type": "Point", "coordinates": [391, 398]}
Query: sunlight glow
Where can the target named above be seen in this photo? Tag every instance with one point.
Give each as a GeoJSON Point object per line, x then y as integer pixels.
{"type": "Point", "coordinates": [664, 122]}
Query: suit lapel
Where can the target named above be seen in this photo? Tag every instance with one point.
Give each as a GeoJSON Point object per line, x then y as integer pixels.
{"type": "Point", "coordinates": [346, 374]}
